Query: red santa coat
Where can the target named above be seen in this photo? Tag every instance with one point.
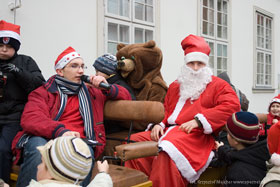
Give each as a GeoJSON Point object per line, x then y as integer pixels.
{"type": "Point", "coordinates": [192, 152]}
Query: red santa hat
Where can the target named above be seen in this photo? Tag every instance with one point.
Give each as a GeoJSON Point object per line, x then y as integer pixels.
{"type": "Point", "coordinates": [276, 99]}
{"type": "Point", "coordinates": [10, 34]}
{"type": "Point", "coordinates": [195, 49]}
{"type": "Point", "coordinates": [273, 142]}
{"type": "Point", "coordinates": [65, 57]}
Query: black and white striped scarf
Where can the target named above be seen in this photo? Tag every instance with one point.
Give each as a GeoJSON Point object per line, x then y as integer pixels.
{"type": "Point", "coordinates": [66, 87]}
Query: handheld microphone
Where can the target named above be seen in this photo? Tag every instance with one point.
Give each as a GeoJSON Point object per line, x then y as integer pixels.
{"type": "Point", "coordinates": [86, 79]}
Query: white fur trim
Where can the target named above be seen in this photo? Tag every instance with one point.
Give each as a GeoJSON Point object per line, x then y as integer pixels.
{"type": "Point", "coordinates": [66, 59]}
{"type": "Point", "coordinates": [276, 100]}
{"type": "Point", "coordinates": [206, 126]}
{"type": "Point", "coordinates": [10, 34]}
{"type": "Point", "coordinates": [183, 165]}
{"type": "Point", "coordinates": [275, 159]}
{"type": "Point", "coordinates": [172, 118]}
{"type": "Point", "coordinates": [162, 125]}
{"type": "Point", "coordinates": [150, 125]}
{"type": "Point", "coordinates": [197, 56]}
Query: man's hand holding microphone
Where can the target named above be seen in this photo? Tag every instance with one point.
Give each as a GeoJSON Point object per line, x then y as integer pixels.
{"type": "Point", "coordinates": [96, 81]}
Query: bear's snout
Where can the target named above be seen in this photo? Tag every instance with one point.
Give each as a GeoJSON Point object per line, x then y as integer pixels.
{"type": "Point", "coordinates": [120, 64]}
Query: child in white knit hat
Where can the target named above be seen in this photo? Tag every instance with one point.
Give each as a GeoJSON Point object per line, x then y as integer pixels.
{"type": "Point", "coordinates": [66, 161]}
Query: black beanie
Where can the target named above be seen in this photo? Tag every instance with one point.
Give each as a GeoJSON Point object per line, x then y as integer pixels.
{"type": "Point", "coordinates": [10, 41]}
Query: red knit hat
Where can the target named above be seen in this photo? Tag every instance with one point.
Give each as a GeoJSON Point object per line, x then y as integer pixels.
{"type": "Point", "coordinates": [195, 49]}
{"type": "Point", "coordinates": [244, 127]}
{"type": "Point", "coordinates": [10, 34]}
{"type": "Point", "coordinates": [65, 57]}
{"type": "Point", "coordinates": [273, 142]}
{"type": "Point", "coordinates": [276, 99]}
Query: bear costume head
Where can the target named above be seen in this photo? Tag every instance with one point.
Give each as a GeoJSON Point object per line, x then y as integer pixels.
{"type": "Point", "coordinates": [140, 65]}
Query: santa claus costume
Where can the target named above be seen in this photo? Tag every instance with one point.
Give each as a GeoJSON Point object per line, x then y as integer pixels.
{"type": "Point", "coordinates": [194, 95]}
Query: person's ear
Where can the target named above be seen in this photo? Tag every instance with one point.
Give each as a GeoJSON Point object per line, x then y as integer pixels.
{"type": "Point", "coordinates": [48, 174]}
{"type": "Point", "coordinates": [59, 72]}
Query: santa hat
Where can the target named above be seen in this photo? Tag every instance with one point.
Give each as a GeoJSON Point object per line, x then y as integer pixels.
{"type": "Point", "coordinates": [276, 99]}
{"type": "Point", "coordinates": [244, 127]}
{"type": "Point", "coordinates": [273, 142]}
{"type": "Point", "coordinates": [65, 57]}
{"type": "Point", "coordinates": [10, 34]}
{"type": "Point", "coordinates": [67, 158]}
{"type": "Point", "coordinates": [195, 49]}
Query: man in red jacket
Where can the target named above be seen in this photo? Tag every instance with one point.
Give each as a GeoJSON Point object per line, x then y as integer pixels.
{"type": "Point", "coordinates": [197, 106]}
{"type": "Point", "coordinates": [63, 106]}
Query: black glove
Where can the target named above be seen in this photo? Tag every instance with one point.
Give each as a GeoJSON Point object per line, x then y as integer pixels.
{"type": "Point", "coordinates": [8, 67]}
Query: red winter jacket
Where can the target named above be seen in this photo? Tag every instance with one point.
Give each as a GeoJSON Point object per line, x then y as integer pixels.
{"type": "Point", "coordinates": [43, 105]}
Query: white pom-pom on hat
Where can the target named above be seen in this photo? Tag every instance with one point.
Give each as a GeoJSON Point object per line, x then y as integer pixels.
{"type": "Point", "coordinates": [275, 159]}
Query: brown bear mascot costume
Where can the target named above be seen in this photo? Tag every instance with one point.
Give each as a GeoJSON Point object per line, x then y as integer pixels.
{"type": "Point", "coordinates": [140, 65]}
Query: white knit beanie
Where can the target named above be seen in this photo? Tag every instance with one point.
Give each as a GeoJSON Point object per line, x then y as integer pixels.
{"type": "Point", "coordinates": [67, 158]}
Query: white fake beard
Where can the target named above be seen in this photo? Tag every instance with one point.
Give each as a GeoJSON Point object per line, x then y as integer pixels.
{"type": "Point", "coordinates": [193, 83]}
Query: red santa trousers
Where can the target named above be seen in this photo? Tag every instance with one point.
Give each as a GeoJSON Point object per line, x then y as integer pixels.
{"type": "Point", "coordinates": [161, 169]}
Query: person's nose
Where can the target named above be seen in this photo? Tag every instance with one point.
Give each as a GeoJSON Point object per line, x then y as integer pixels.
{"type": "Point", "coordinates": [195, 67]}
{"type": "Point", "coordinates": [81, 69]}
{"type": "Point", "coordinates": [4, 48]}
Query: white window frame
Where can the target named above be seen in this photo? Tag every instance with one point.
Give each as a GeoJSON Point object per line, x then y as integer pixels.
{"type": "Point", "coordinates": [212, 53]}
{"type": "Point", "coordinates": [214, 39]}
{"type": "Point", "coordinates": [215, 53]}
{"type": "Point", "coordinates": [119, 22]}
{"type": "Point", "coordinates": [108, 14]}
{"type": "Point", "coordinates": [143, 27]}
{"type": "Point", "coordinates": [141, 21]}
{"type": "Point", "coordinates": [216, 59]}
{"type": "Point", "coordinates": [131, 22]}
{"type": "Point", "coordinates": [201, 21]}
{"type": "Point", "coordinates": [263, 87]}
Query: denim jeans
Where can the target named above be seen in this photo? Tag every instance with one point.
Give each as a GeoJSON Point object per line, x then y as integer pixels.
{"type": "Point", "coordinates": [32, 158]}
{"type": "Point", "coordinates": [7, 134]}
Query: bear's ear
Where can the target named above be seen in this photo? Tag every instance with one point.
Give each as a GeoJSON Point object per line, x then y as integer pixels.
{"type": "Point", "coordinates": [150, 44]}
{"type": "Point", "coordinates": [119, 46]}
